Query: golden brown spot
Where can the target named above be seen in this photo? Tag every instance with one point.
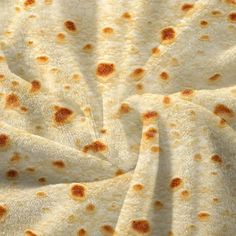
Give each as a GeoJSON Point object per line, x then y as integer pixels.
{"type": "Point", "coordinates": [138, 187]}
{"type": "Point", "coordinates": [168, 35]}
{"type": "Point", "coordinates": [187, 7]}
{"type": "Point", "coordinates": [137, 74]}
{"type": "Point", "coordinates": [216, 159]}
{"type": "Point", "coordinates": [62, 115]}
{"type": "Point", "coordinates": [216, 13]}
{"type": "Point", "coordinates": [222, 110]}
{"type": "Point", "coordinates": [156, 51]}
{"type": "Point", "coordinates": [11, 174]}
{"type": "Point", "coordinates": [48, 2]}
{"type": "Point", "coordinates": [150, 133]}
{"type": "Point", "coordinates": [82, 232]}
{"type": "Point", "coordinates": [166, 100]}
{"type": "Point", "coordinates": [12, 101]}
{"type": "Point", "coordinates": [42, 59]}
{"type": "Point", "coordinates": [41, 194]}
{"type": "Point", "coordinates": [2, 77]}
{"type": "Point", "coordinates": [203, 216]}
{"type": "Point", "coordinates": [76, 77]}
{"type": "Point", "coordinates": [30, 169]}
{"type": "Point", "coordinates": [15, 157]}
{"type": "Point", "coordinates": [164, 75]}
{"type": "Point", "coordinates": [42, 180]}
{"type": "Point", "coordinates": [107, 230]}
{"type": "Point", "coordinates": [103, 131]}
{"type": "Point", "coordinates": [141, 226]}
{"type": "Point", "coordinates": [105, 69]}
{"type": "Point", "coordinates": [29, 3]}
{"type": "Point", "coordinates": [119, 172]}
{"type": "Point", "coordinates": [2, 59]}
{"type": "Point", "coordinates": [61, 37]}
{"type": "Point", "coordinates": [158, 205]}
{"type": "Point", "coordinates": [30, 233]}
{"type": "Point", "coordinates": [232, 17]}
{"type": "Point", "coordinates": [3, 211]}
{"type": "Point", "coordinates": [204, 38]}
{"type": "Point", "coordinates": [232, 2]}
{"type": "Point", "coordinates": [184, 194]}
{"type": "Point", "coordinates": [139, 87]}
{"type": "Point", "coordinates": [35, 86]}
{"type": "Point", "coordinates": [107, 30]}
{"type": "Point", "coordinates": [88, 48]}
{"type": "Point", "coordinates": [124, 108]}
{"type": "Point", "coordinates": [4, 141]}
{"type": "Point", "coordinates": [24, 109]}
{"type": "Point", "coordinates": [155, 149]}
{"type": "Point", "coordinates": [203, 23]}
{"type": "Point", "coordinates": [96, 146]}
{"type": "Point", "coordinates": [197, 157]}
{"type": "Point", "coordinates": [59, 164]}
{"type": "Point", "coordinates": [78, 192]}
{"type": "Point", "coordinates": [90, 208]}
{"type": "Point", "coordinates": [15, 83]}
{"type": "Point", "coordinates": [176, 183]}
{"type": "Point", "coordinates": [214, 77]}
{"type": "Point", "coordinates": [70, 26]}
{"type": "Point", "coordinates": [215, 200]}
{"type": "Point", "coordinates": [126, 15]}
{"type": "Point", "coordinates": [187, 92]}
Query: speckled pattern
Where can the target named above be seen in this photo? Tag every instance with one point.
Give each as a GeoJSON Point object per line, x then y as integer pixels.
{"type": "Point", "coordinates": [117, 117]}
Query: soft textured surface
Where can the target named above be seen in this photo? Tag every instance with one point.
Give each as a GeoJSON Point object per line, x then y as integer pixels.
{"type": "Point", "coordinates": [117, 117]}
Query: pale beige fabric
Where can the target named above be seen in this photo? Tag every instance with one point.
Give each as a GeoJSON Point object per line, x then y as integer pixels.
{"type": "Point", "coordinates": [117, 117]}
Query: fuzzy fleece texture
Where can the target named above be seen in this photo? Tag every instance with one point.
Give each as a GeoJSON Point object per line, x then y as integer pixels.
{"type": "Point", "coordinates": [117, 117]}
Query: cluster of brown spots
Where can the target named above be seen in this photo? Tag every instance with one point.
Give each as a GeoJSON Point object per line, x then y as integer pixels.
{"type": "Point", "coordinates": [166, 100]}
{"type": "Point", "coordinates": [203, 216]}
{"type": "Point", "coordinates": [29, 3]}
{"type": "Point", "coordinates": [184, 194]}
{"type": "Point", "coordinates": [187, 7]}
{"type": "Point", "coordinates": [15, 157]}
{"type": "Point", "coordinates": [107, 30]}
{"type": "Point", "coordinates": [197, 157]}
{"type": "Point", "coordinates": [30, 233]}
{"type": "Point", "coordinates": [156, 51]}
{"type": "Point", "coordinates": [42, 59]}
{"type": "Point", "coordinates": [105, 69]}
{"type": "Point", "coordinates": [187, 92]}
{"type": "Point", "coordinates": [61, 38]}
{"type": "Point", "coordinates": [150, 133]}
{"type": "Point", "coordinates": [119, 172]}
{"type": "Point", "coordinates": [107, 230]}
{"type": "Point", "coordinates": [42, 180]}
{"type": "Point", "coordinates": [90, 208]}
{"type": "Point", "coordinates": [164, 75]}
{"type": "Point", "coordinates": [216, 159]}
{"type": "Point", "coordinates": [2, 59]}
{"type": "Point", "coordinates": [41, 194]}
{"type": "Point", "coordinates": [126, 16]}
{"type": "Point", "coordinates": [35, 86]}
{"type": "Point", "coordinates": [82, 232]}
{"type": "Point", "coordinates": [4, 141]}
{"type": "Point", "coordinates": [176, 183]}
{"type": "Point", "coordinates": [70, 26]}
{"type": "Point", "coordinates": [214, 77]}
{"type": "Point", "coordinates": [168, 35]}
{"type": "Point", "coordinates": [204, 38]}
{"type": "Point", "coordinates": [2, 77]}
{"type": "Point", "coordinates": [223, 111]}
{"type": "Point", "coordinates": [11, 174]}
{"type": "Point", "coordinates": [155, 149]}
{"type": "Point", "coordinates": [12, 101]}
{"type": "Point", "coordinates": [62, 115]}
{"type": "Point", "coordinates": [232, 17]}
{"type": "Point", "coordinates": [124, 108]}
{"type": "Point", "coordinates": [216, 13]}
{"type": "Point", "coordinates": [58, 164]}
{"type": "Point", "coordinates": [137, 74]}
{"type": "Point", "coordinates": [78, 192]}
{"type": "Point", "coordinates": [96, 146]}
{"type": "Point", "coordinates": [88, 48]}
{"type": "Point", "coordinates": [138, 187]}
{"type": "Point", "coordinates": [158, 205]}
{"type": "Point", "coordinates": [140, 226]}
{"type": "Point", "coordinates": [203, 23]}
{"type": "Point", "coordinates": [3, 212]}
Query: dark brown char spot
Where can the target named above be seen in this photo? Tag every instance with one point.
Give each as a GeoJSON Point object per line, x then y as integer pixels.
{"type": "Point", "coordinates": [59, 164]}
{"type": "Point", "coordinates": [216, 159]}
{"type": "Point", "coordinates": [107, 230]}
{"type": "Point", "coordinates": [105, 69]}
{"type": "Point", "coordinates": [164, 75]}
{"type": "Point", "coordinates": [138, 187]}
{"type": "Point", "coordinates": [62, 115]}
{"type": "Point", "coordinates": [214, 77]}
{"type": "Point", "coordinates": [82, 232]}
{"type": "Point", "coordinates": [119, 172]}
{"type": "Point", "coordinates": [96, 146]}
{"type": "Point", "coordinates": [187, 6]}
{"type": "Point", "coordinates": [4, 141]}
{"type": "Point", "coordinates": [30, 233]}
{"type": "Point", "coordinates": [168, 35]}
{"type": "Point", "coordinates": [29, 3]}
{"type": "Point", "coordinates": [232, 17]}
{"type": "Point", "coordinates": [3, 211]}
{"type": "Point", "coordinates": [78, 192]}
{"type": "Point", "coordinates": [137, 74]}
{"type": "Point", "coordinates": [156, 51]}
{"type": "Point", "coordinates": [107, 30]}
{"type": "Point", "coordinates": [187, 92]}
{"type": "Point", "coordinates": [70, 25]}
{"type": "Point", "coordinates": [42, 180]}
{"type": "Point", "coordinates": [2, 77]}
{"type": "Point", "coordinates": [42, 59]}
{"type": "Point", "coordinates": [216, 13]}
{"type": "Point", "coordinates": [158, 204]}
{"type": "Point", "coordinates": [12, 101]}
{"type": "Point", "coordinates": [88, 48]}
{"type": "Point", "coordinates": [221, 109]}
{"type": "Point", "coordinates": [35, 86]}
{"type": "Point", "coordinates": [15, 157]}
{"type": "Point", "coordinates": [11, 174]}
{"type": "Point", "coordinates": [126, 15]}
{"type": "Point", "coordinates": [203, 23]}
{"type": "Point", "coordinates": [203, 216]}
{"type": "Point", "coordinates": [150, 115]}
{"type": "Point", "coordinates": [61, 37]}
{"type": "Point", "coordinates": [176, 183]}
{"type": "Point", "coordinates": [141, 226]}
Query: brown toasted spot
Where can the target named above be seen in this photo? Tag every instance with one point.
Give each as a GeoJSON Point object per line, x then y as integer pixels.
{"type": "Point", "coordinates": [197, 157]}
{"type": "Point", "coordinates": [215, 200]}
{"type": "Point", "coordinates": [82, 232]}
{"type": "Point", "coordinates": [41, 194]}
{"type": "Point", "coordinates": [216, 159]}
{"type": "Point", "coordinates": [203, 216]}
{"type": "Point", "coordinates": [124, 108]}
{"type": "Point", "coordinates": [141, 226]}
{"type": "Point", "coordinates": [30, 169]}
{"type": "Point", "coordinates": [176, 183]}
{"type": "Point", "coordinates": [48, 2]}
{"type": "Point", "coordinates": [3, 212]}
{"type": "Point", "coordinates": [164, 75]}
{"type": "Point", "coordinates": [42, 59]}
{"type": "Point", "coordinates": [155, 149]}
{"type": "Point", "coordinates": [30, 233]}
{"type": "Point", "coordinates": [107, 230]}
{"type": "Point", "coordinates": [4, 141]}
{"type": "Point", "coordinates": [150, 115]}
{"type": "Point", "coordinates": [168, 35]}
{"type": "Point", "coordinates": [12, 101]}
{"type": "Point", "coordinates": [88, 48]}
{"type": "Point", "coordinates": [2, 59]}
{"type": "Point", "coordinates": [232, 17]}
{"type": "Point", "coordinates": [137, 74]}
{"type": "Point", "coordinates": [78, 192]}
{"type": "Point", "coordinates": [61, 37]}
{"type": "Point", "coordinates": [216, 13]}
{"type": "Point", "coordinates": [203, 23]}
{"type": "Point", "coordinates": [15, 157]}
{"type": "Point", "coordinates": [2, 77]}
{"type": "Point", "coordinates": [119, 172]}
{"type": "Point", "coordinates": [35, 86]}
{"type": "Point", "coordinates": [29, 3]}
{"type": "Point", "coordinates": [126, 15]}
{"type": "Point", "coordinates": [187, 92]}
{"type": "Point", "coordinates": [96, 146]}
{"type": "Point", "coordinates": [107, 30]}
{"type": "Point", "coordinates": [158, 204]}
{"type": "Point", "coordinates": [187, 7]}
{"type": "Point", "coordinates": [214, 77]}
{"type": "Point", "coordinates": [42, 180]}
{"type": "Point", "coordinates": [166, 100]}
{"type": "Point", "coordinates": [204, 38]}
{"type": "Point", "coordinates": [223, 110]}
{"type": "Point", "coordinates": [24, 109]}
{"type": "Point", "coordinates": [232, 2]}
{"type": "Point", "coordinates": [156, 51]}
{"type": "Point", "coordinates": [138, 187]}
{"type": "Point", "coordinates": [105, 69]}
{"type": "Point", "coordinates": [70, 26]}
{"type": "Point", "coordinates": [59, 164]}
{"type": "Point", "coordinates": [150, 133]}
{"type": "Point", "coordinates": [139, 87]}
{"type": "Point", "coordinates": [90, 208]}
{"type": "Point", "coordinates": [11, 174]}
{"type": "Point", "coordinates": [184, 194]}
{"type": "Point", "coordinates": [15, 83]}
{"type": "Point", "coordinates": [222, 123]}
{"type": "Point", "coordinates": [62, 115]}
{"type": "Point", "coordinates": [103, 131]}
